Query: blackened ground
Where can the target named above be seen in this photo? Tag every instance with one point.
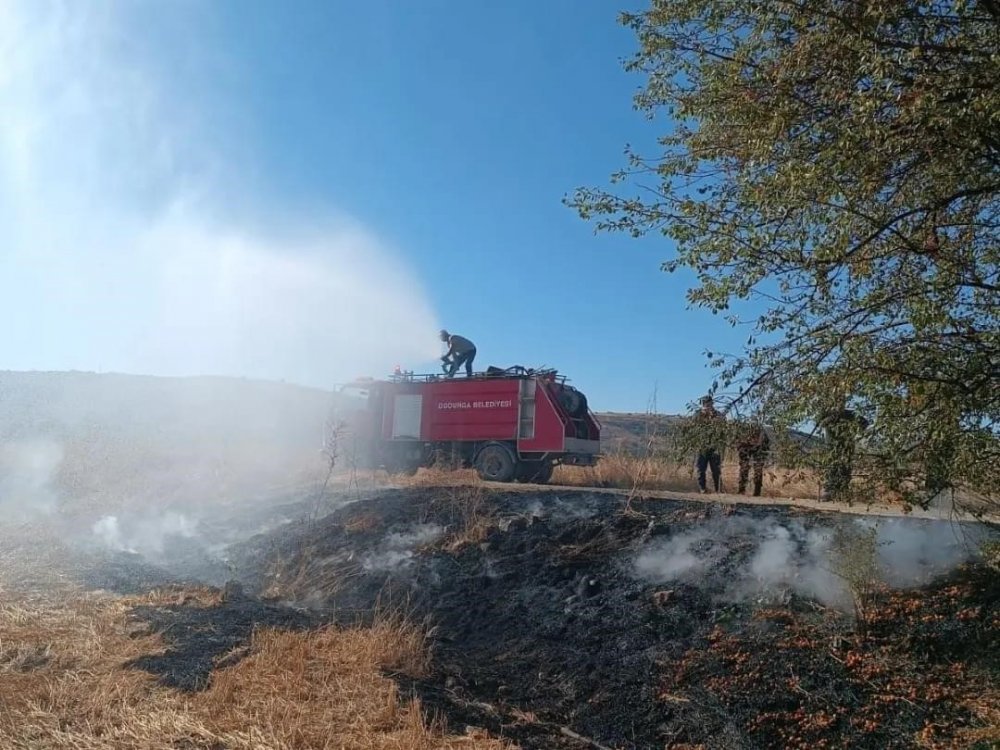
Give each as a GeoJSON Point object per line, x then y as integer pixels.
{"type": "Point", "coordinates": [541, 625]}
{"type": "Point", "coordinates": [201, 639]}
{"type": "Point", "coordinates": [182, 563]}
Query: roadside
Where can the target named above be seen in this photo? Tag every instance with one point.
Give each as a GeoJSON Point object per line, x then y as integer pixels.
{"type": "Point", "coordinates": [624, 488]}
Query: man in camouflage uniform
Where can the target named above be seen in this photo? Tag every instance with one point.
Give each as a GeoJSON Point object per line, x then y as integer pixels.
{"type": "Point", "coordinates": [710, 429]}
{"type": "Point", "coordinates": [842, 426]}
{"type": "Point", "coordinates": [753, 448]}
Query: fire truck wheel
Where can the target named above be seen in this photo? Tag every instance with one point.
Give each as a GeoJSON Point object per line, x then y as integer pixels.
{"type": "Point", "coordinates": [535, 472]}
{"type": "Point", "coordinates": [495, 463]}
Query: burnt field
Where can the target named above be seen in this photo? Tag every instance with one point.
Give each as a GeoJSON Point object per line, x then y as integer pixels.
{"type": "Point", "coordinates": [565, 619]}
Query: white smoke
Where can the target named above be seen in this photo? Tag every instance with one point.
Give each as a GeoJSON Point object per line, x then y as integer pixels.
{"type": "Point", "coordinates": [680, 557]}
{"type": "Point", "coordinates": [911, 553]}
{"type": "Point", "coordinates": [795, 559]}
{"type": "Point", "coordinates": [143, 535]}
{"type": "Point", "coordinates": [121, 196]}
{"type": "Point", "coordinates": [398, 550]}
{"type": "Point", "coordinates": [574, 508]}
{"type": "Point", "coordinates": [28, 470]}
{"type": "Point", "coordinates": [760, 558]}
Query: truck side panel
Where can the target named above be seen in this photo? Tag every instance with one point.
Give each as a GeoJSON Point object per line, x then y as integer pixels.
{"type": "Point", "coordinates": [463, 410]}
{"type": "Point", "coordinates": [525, 411]}
{"type": "Point", "coordinates": [550, 430]}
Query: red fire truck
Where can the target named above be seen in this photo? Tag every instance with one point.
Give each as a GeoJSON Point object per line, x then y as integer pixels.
{"type": "Point", "coordinates": [513, 424]}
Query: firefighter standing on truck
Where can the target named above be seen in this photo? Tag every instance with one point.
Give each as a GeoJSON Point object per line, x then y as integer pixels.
{"type": "Point", "coordinates": [461, 351]}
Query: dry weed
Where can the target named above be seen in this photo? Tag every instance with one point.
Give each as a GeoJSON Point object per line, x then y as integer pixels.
{"type": "Point", "coordinates": [363, 523]}
{"type": "Point", "coordinates": [855, 561]}
{"type": "Point", "coordinates": [444, 477]}
{"type": "Point", "coordinates": [467, 504]}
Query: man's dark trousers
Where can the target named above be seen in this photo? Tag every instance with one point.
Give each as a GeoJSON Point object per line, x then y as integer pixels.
{"type": "Point", "coordinates": [710, 458]}
{"type": "Point", "coordinates": [465, 358]}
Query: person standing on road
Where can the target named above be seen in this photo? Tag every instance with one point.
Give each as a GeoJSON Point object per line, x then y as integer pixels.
{"type": "Point", "coordinates": [753, 448]}
{"type": "Point", "coordinates": [461, 351]}
{"type": "Point", "coordinates": [710, 426]}
{"type": "Point", "coordinates": [843, 427]}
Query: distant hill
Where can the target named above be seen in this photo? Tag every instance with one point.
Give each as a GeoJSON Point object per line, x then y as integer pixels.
{"type": "Point", "coordinates": [137, 439]}
{"type": "Point", "coordinates": [629, 431]}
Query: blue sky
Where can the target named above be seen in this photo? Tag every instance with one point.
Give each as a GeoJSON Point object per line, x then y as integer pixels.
{"type": "Point", "coordinates": [448, 131]}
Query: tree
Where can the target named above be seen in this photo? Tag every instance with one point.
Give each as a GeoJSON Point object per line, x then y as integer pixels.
{"type": "Point", "coordinates": [836, 163]}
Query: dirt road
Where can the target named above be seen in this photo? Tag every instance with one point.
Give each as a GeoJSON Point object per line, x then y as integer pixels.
{"type": "Point", "coordinates": [942, 510]}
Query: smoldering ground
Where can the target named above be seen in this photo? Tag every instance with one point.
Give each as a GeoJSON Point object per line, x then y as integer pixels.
{"type": "Point", "coordinates": [781, 556]}
{"type": "Point", "coordinates": [576, 612]}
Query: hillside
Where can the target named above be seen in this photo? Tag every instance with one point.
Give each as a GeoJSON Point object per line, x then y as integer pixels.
{"type": "Point", "coordinates": [630, 430]}
{"type": "Point", "coordinates": [558, 620]}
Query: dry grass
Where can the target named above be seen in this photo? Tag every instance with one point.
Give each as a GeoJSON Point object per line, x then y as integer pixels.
{"type": "Point", "coordinates": [363, 523]}
{"type": "Point", "coordinates": [310, 577]}
{"type": "Point", "coordinates": [462, 496]}
{"type": "Point", "coordinates": [436, 477]}
{"type": "Point", "coordinates": [986, 708]}
{"type": "Point", "coordinates": [622, 470]}
{"type": "Point", "coordinates": [855, 561]}
{"type": "Point", "coordinates": [63, 685]}
{"type": "Point", "coordinates": [465, 500]}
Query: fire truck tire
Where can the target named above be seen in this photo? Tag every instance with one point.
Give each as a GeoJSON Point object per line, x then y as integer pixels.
{"type": "Point", "coordinates": [535, 472]}
{"type": "Point", "coordinates": [496, 463]}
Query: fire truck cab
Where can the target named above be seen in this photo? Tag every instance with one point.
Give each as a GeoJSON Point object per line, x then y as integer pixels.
{"type": "Point", "coordinates": [513, 424]}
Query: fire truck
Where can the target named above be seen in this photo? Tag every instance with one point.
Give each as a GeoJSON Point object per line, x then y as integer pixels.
{"type": "Point", "coordinates": [512, 424]}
